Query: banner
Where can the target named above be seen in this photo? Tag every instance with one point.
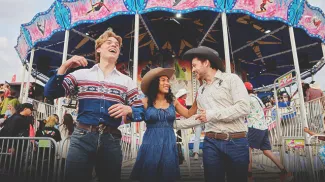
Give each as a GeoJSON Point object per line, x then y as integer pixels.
{"type": "Point", "coordinates": [275, 9]}
{"type": "Point", "coordinates": [285, 80]}
{"type": "Point", "coordinates": [295, 143]}
{"type": "Point", "coordinates": [179, 4]}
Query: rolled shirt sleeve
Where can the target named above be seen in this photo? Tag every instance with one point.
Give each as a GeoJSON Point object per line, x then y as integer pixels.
{"type": "Point", "coordinates": [133, 100]}
{"type": "Point", "coordinates": [186, 123]}
{"type": "Point", "coordinates": [61, 85]}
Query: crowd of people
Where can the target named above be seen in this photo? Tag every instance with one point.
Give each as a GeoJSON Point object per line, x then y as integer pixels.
{"type": "Point", "coordinates": [17, 120]}
{"type": "Point", "coordinates": [232, 116]}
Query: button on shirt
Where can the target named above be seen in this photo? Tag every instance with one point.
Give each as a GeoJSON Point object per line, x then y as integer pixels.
{"type": "Point", "coordinates": [256, 118]}
{"type": "Point", "coordinates": [96, 94]}
{"type": "Point", "coordinates": [226, 102]}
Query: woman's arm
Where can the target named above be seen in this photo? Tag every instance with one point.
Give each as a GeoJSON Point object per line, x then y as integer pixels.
{"type": "Point", "coordinates": [184, 111]}
{"type": "Point", "coordinates": [145, 105]}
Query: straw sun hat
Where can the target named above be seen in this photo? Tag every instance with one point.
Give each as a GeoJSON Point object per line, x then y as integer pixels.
{"type": "Point", "coordinates": [152, 74]}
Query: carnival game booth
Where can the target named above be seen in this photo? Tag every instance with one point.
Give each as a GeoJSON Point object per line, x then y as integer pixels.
{"type": "Point", "coordinates": [259, 40]}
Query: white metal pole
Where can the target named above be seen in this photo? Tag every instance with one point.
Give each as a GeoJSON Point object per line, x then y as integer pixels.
{"type": "Point", "coordinates": [323, 49]}
{"type": "Point", "coordinates": [226, 41]}
{"type": "Point", "coordinates": [136, 48]}
{"type": "Point", "coordinates": [298, 78]}
{"type": "Point", "coordinates": [64, 58]}
{"type": "Point", "coordinates": [300, 92]}
{"type": "Point", "coordinates": [30, 66]}
{"type": "Point", "coordinates": [135, 78]}
{"type": "Point", "coordinates": [65, 46]}
{"type": "Point", "coordinates": [22, 83]}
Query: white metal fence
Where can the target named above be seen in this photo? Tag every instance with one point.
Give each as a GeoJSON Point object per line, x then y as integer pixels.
{"type": "Point", "coordinates": [28, 159]}
{"type": "Point", "coordinates": [297, 153]}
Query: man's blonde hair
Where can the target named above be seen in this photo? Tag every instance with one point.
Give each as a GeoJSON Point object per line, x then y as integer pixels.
{"type": "Point", "coordinates": [104, 37]}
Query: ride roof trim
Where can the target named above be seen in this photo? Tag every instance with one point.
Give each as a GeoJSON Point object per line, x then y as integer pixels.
{"type": "Point", "coordinates": [62, 15]}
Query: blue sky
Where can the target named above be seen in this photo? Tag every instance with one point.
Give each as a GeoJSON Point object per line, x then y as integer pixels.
{"type": "Point", "coordinates": [13, 13]}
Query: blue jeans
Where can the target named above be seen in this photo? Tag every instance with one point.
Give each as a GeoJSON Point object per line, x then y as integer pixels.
{"type": "Point", "coordinates": [221, 158]}
{"type": "Point", "coordinates": [83, 156]}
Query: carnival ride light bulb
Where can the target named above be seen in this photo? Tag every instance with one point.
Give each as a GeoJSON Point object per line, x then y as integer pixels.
{"type": "Point", "coordinates": [267, 31]}
{"type": "Point", "coordinates": [87, 34]}
{"type": "Point", "coordinates": [178, 15]}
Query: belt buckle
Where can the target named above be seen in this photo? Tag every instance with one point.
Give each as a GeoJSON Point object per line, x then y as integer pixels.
{"type": "Point", "coordinates": [90, 128]}
{"type": "Point", "coordinates": [228, 137]}
{"type": "Point", "coordinates": [101, 128]}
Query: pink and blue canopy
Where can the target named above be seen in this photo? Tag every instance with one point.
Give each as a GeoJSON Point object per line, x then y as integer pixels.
{"type": "Point", "coordinates": [258, 33]}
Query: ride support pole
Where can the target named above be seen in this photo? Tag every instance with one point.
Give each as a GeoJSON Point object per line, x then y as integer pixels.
{"type": "Point", "coordinates": [226, 41]}
{"type": "Point", "coordinates": [30, 66]}
{"type": "Point", "coordinates": [301, 95]}
{"type": "Point", "coordinates": [135, 76]}
{"type": "Point", "coordinates": [23, 73]}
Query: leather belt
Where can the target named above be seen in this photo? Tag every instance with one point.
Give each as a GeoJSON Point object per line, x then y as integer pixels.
{"type": "Point", "coordinates": [226, 136]}
{"type": "Point", "coordinates": [95, 128]}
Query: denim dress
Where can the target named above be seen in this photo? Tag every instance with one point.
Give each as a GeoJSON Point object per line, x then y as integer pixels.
{"type": "Point", "coordinates": [157, 158]}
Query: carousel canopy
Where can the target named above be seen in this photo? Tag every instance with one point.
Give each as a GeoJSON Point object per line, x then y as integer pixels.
{"type": "Point", "coordinates": [260, 48]}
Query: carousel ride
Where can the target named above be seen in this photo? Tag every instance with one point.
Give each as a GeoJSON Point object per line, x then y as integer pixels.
{"type": "Point", "coordinates": [258, 47]}
{"type": "Point", "coordinates": [259, 40]}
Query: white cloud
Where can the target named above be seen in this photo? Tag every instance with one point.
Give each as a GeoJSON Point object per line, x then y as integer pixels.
{"type": "Point", "coordinates": [3, 42]}
{"type": "Point", "coordinates": [318, 3]}
{"type": "Point", "coordinates": [12, 15]}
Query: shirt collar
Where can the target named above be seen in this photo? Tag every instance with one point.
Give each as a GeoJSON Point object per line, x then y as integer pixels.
{"type": "Point", "coordinates": [96, 67]}
{"type": "Point", "coordinates": [218, 75]}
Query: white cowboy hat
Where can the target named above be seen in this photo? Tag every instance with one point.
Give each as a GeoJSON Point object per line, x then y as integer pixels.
{"type": "Point", "coordinates": [152, 74]}
{"type": "Point", "coordinates": [181, 92]}
{"type": "Point", "coordinates": [315, 86]}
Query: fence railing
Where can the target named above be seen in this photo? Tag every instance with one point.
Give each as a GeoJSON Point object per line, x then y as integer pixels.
{"type": "Point", "coordinates": [296, 155]}
{"type": "Point", "coordinates": [317, 148]}
{"type": "Point", "coordinates": [315, 114]}
{"type": "Point", "coordinates": [28, 159]}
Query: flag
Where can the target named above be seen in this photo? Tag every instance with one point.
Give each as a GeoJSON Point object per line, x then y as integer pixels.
{"type": "Point", "coordinates": [13, 79]}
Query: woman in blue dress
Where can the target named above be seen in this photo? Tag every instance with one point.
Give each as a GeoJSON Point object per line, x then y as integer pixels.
{"type": "Point", "coordinates": [157, 159]}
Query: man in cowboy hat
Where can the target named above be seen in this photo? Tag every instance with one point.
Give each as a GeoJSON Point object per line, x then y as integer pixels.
{"type": "Point", "coordinates": [103, 92]}
{"type": "Point", "coordinates": [223, 103]}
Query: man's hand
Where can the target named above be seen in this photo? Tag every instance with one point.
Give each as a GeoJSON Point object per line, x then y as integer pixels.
{"type": "Point", "coordinates": [119, 110]}
{"type": "Point", "coordinates": [73, 62]}
{"type": "Point", "coordinates": [202, 116]}
{"type": "Point", "coordinates": [306, 129]}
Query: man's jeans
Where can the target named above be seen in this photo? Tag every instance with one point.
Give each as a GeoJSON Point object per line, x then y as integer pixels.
{"type": "Point", "coordinates": [222, 158]}
{"type": "Point", "coordinates": [83, 155]}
